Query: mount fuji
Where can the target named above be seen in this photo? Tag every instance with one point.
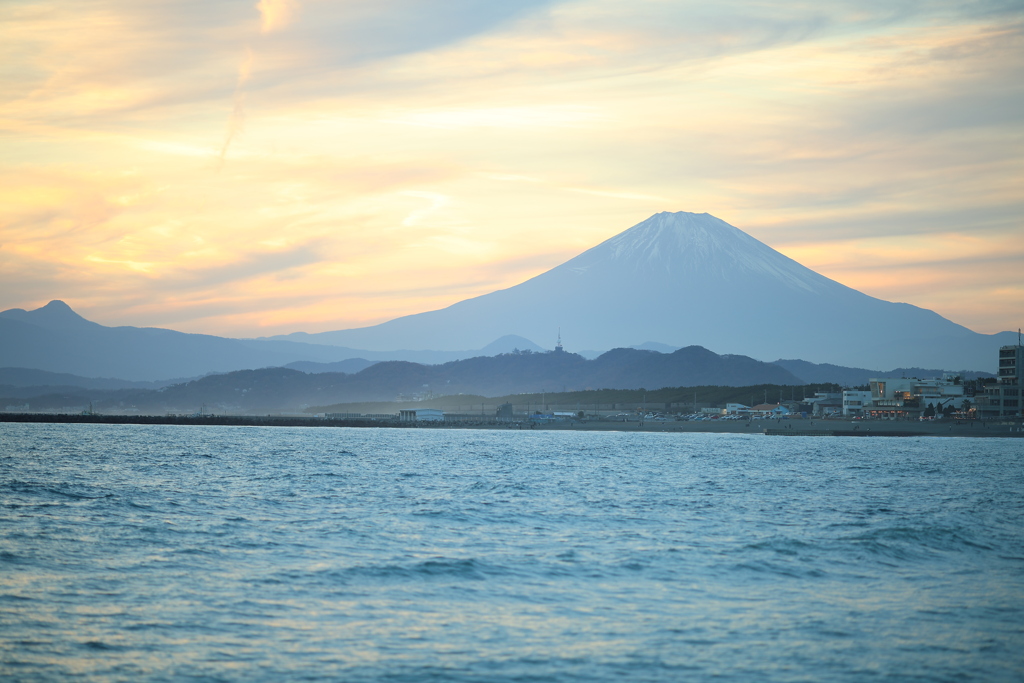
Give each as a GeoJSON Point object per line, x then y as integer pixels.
{"type": "Point", "coordinates": [691, 279]}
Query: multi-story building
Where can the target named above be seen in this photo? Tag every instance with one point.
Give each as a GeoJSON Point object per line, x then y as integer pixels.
{"type": "Point", "coordinates": [854, 402]}
{"type": "Point", "coordinates": [908, 397]}
{"type": "Point", "coordinates": [1004, 398]}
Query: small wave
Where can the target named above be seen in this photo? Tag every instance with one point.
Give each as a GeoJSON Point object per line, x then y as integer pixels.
{"type": "Point", "coordinates": [10, 597]}
{"type": "Point", "coordinates": [62, 489]}
{"type": "Point", "coordinates": [467, 569]}
{"type": "Point", "coordinates": [461, 568]}
{"type": "Point", "coordinates": [6, 556]}
{"type": "Point", "coordinates": [793, 571]}
{"type": "Point", "coordinates": [783, 546]}
{"type": "Point", "coordinates": [633, 566]}
{"type": "Point", "coordinates": [443, 513]}
{"type": "Point", "coordinates": [100, 645]}
{"type": "Point", "coordinates": [199, 550]}
{"type": "Point", "coordinates": [909, 538]}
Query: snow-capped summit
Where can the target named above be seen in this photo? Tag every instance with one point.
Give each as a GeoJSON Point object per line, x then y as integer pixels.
{"type": "Point", "coordinates": [691, 279]}
{"type": "Point", "coordinates": [675, 241]}
{"type": "Point", "coordinates": [696, 246]}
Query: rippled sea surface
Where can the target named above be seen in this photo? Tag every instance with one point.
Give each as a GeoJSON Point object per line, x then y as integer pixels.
{"type": "Point", "coordinates": [240, 553]}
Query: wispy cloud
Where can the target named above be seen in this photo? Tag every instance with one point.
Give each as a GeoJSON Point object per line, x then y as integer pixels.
{"type": "Point", "coordinates": [236, 121]}
{"type": "Point", "coordinates": [275, 14]}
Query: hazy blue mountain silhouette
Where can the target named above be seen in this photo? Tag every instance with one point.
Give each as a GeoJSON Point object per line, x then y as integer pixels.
{"type": "Point", "coordinates": [56, 339]}
{"type": "Point", "coordinates": [27, 377]}
{"type": "Point", "coordinates": [348, 366]}
{"type": "Point", "coordinates": [815, 373]}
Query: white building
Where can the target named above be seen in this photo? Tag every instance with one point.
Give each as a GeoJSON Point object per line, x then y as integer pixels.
{"type": "Point", "coordinates": [854, 402]}
{"type": "Point", "coordinates": [421, 415]}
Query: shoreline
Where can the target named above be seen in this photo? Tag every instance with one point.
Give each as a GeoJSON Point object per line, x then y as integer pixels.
{"type": "Point", "coordinates": [792, 427]}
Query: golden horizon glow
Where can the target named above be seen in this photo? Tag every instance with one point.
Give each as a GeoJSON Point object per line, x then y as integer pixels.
{"type": "Point", "coordinates": [278, 166]}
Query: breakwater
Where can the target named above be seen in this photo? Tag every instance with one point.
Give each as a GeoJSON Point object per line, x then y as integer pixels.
{"type": "Point", "coordinates": [200, 420]}
{"type": "Point", "coordinates": [796, 427]}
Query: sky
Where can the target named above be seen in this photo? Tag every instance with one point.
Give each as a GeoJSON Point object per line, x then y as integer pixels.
{"type": "Point", "coordinates": [248, 168]}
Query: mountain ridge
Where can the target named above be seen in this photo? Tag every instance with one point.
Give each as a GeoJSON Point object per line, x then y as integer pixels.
{"type": "Point", "coordinates": [54, 338]}
{"type": "Point", "coordinates": [283, 388]}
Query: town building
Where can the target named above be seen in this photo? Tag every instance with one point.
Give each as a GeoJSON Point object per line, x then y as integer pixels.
{"type": "Point", "coordinates": [825, 404]}
{"type": "Point", "coordinates": [769, 410]}
{"type": "Point", "coordinates": [854, 403]}
{"type": "Point", "coordinates": [421, 415]}
{"type": "Point", "coordinates": [907, 397]}
{"type": "Point", "coordinates": [1004, 398]}
{"type": "Point", "coordinates": [736, 409]}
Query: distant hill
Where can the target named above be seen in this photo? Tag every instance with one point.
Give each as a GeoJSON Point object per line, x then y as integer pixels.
{"type": "Point", "coordinates": [813, 373]}
{"type": "Point", "coordinates": [532, 372]}
{"type": "Point", "coordinates": [27, 377]}
{"type": "Point", "coordinates": [273, 389]}
{"type": "Point", "coordinates": [348, 366]}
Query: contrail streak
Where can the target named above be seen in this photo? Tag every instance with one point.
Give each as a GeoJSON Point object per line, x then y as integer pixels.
{"type": "Point", "coordinates": [236, 122]}
{"type": "Point", "coordinates": [274, 15]}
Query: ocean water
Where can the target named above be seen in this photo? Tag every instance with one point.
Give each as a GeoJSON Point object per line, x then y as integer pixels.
{"type": "Point", "coordinates": [241, 553]}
